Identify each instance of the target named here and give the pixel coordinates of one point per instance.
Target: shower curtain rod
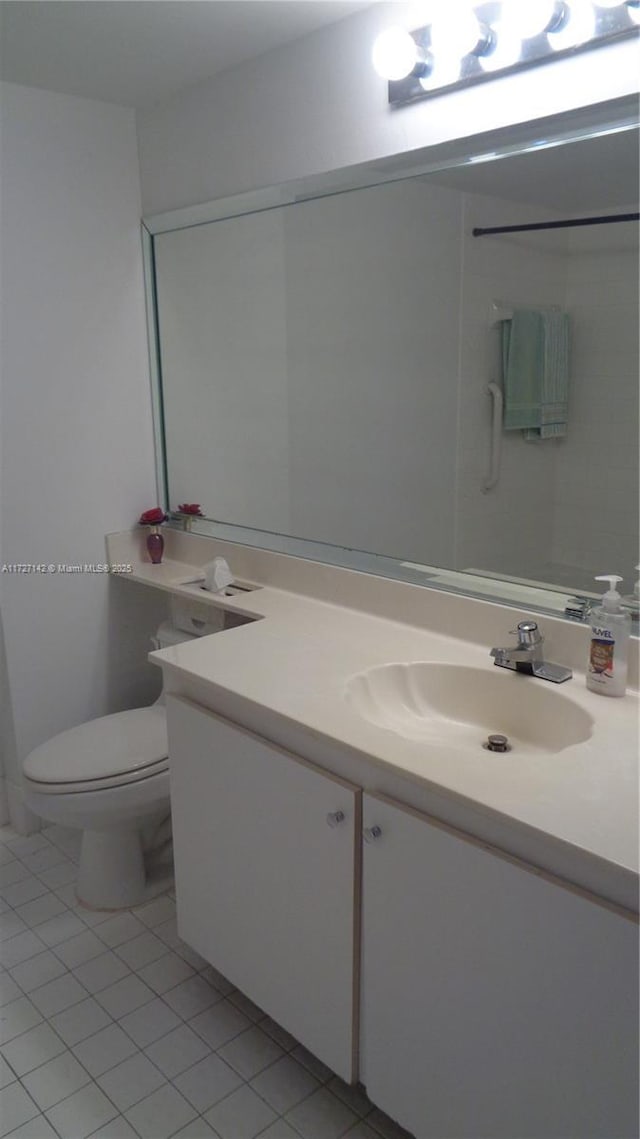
(605, 219)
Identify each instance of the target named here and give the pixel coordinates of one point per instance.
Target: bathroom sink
(456, 705)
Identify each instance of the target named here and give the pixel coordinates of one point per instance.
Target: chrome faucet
(527, 655)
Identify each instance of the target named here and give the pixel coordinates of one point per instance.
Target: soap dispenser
(608, 647)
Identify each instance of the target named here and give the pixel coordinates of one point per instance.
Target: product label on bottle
(601, 654)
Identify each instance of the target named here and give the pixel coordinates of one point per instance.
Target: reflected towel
(535, 359)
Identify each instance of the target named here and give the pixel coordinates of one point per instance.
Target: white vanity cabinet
(266, 848)
(496, 1002)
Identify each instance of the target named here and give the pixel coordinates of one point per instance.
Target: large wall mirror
(325, 367)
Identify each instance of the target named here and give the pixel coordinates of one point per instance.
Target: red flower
(153, 517)
(190, 508)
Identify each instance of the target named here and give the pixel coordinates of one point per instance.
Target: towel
(535, 358)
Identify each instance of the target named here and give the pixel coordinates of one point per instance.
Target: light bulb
(578, 28)
(528, 18)
(455, 31)
(395, 54)
(507, 50)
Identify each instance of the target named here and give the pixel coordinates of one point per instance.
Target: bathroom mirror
(324, 368)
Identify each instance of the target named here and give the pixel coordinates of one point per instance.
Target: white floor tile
(12, 872)
(17, 1017)
(360, 1131)
(207, 1082)
(83, 947)
(27, 844)
(37, 1128)
(101, 972)
(321, 1116)
(9, 991)
(11, 924)
(219, 1024)
(141, 950)
(177, 1051)
(41, 909)
(124, 996)
(23, 891)
(20, 947)
(383, 1125)
(62, 874)
(32, 1049)
(279, 1130)
(161, 1114)
(131, 1081)
(246, 1006)
(16, 1107)
(354, 1097)
(117, 1128)
(314, 1065)
(55, 1080)
(120, 928)
(80, 1021)
(242, 1115)
(149, 1022)
(43, 859)
(104, 1049)
(37, 971)
(7, 1075)
(191, 997)
(198, 1129)
(166, 972)
(82, 1113)
(284, 1084)
(58, 995)
(60, 928)
(250, 1052)
(278, 1033)
(157, 911)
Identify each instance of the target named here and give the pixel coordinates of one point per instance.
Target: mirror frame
(601, 119)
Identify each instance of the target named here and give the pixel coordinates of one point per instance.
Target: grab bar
(495, 391)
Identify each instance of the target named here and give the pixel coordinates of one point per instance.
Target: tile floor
(112, 1027)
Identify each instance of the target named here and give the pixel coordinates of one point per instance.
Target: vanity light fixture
(465, 42)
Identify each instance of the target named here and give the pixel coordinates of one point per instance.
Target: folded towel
(535, 357)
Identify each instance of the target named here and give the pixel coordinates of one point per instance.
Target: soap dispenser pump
(608, 647)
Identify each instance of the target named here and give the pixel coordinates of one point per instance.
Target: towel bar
(495, 391)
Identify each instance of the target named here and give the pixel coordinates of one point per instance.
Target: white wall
(596, 502)
(77, 450)
(317, 105)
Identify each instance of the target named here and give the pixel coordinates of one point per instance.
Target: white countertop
(296, 658)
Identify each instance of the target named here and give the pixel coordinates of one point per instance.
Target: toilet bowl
(110, 777)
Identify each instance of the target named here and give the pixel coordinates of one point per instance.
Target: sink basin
(455, 705)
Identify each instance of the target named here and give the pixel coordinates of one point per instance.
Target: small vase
(155, 545)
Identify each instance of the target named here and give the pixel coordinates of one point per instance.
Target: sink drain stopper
(497, 743)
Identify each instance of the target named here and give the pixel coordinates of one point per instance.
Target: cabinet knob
(372, 833)
(334, 818)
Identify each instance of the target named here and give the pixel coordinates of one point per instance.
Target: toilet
(110, 777)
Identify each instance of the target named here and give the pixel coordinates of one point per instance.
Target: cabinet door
(497, 1003)
(264, 882)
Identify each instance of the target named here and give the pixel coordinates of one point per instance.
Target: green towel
(535, 360)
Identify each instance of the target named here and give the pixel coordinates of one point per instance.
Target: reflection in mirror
(326, 367)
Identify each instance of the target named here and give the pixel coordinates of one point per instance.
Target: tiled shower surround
(112, 1027)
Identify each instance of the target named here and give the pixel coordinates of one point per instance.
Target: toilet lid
(112, 745)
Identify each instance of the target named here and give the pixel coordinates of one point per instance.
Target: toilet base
(112, 873)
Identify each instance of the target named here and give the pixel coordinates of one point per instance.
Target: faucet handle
(528, 633)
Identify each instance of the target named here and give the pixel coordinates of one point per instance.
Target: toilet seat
(125, 747)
